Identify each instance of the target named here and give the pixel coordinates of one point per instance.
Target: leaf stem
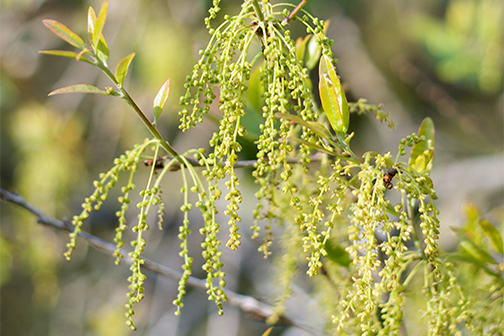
(258, 11)
(126, 96)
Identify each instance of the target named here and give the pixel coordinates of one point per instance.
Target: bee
(159, 164)
(388, 177)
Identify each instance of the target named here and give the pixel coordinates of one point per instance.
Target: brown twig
(294, 12)
(247, 304)
(238, 164)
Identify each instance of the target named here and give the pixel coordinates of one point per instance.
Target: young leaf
(467, 258)
(422, 153)
(316, 127)
(91, 22)
(493, 234)
(102, 50)
(314, 50)
(99, 24)
(321, 130)
(80, 88)
(469, 247)
(160, 99)
(64, 33)
(301, 47)
(66, 53)
(321, 149)
(477, 252)
(267, 332)
(122, 68)
(332, 96)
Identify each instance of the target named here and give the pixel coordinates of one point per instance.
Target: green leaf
(466, 258)
(301, 47)
(267, 332)
(99, 24)
(160, 99)
(314, 50)
(316, 127)
(312, 53)
(477, 252)
(337, 254)
(95, 28)
(91, 24)
(66, 53)
(391, 210)
(122, 68)
(320, 129)
(64, 33)
(102, 50)
(493, 234)
(255, 90)
(80, 88)
(469, 247)
(332, 96)
(422, 154)
(321, 149)
(317, 147)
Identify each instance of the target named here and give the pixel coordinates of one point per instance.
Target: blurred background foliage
(437, 58)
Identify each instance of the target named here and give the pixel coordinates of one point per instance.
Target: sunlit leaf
(301, 47)
(422, 154)
(160, 99)
(122, 68)
(332, 96)
(66, 53)
(91, 21)
(267, 332)
(80, 88)
(65, 33)
(314, 50)
(99, 24)
(102, 50)
(493, 234)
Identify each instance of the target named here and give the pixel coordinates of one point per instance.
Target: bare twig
(247, 304)
(238, 164)
(294, 12)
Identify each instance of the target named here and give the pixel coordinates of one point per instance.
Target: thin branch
(294, 12)
(238, 164)
(247, 304)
